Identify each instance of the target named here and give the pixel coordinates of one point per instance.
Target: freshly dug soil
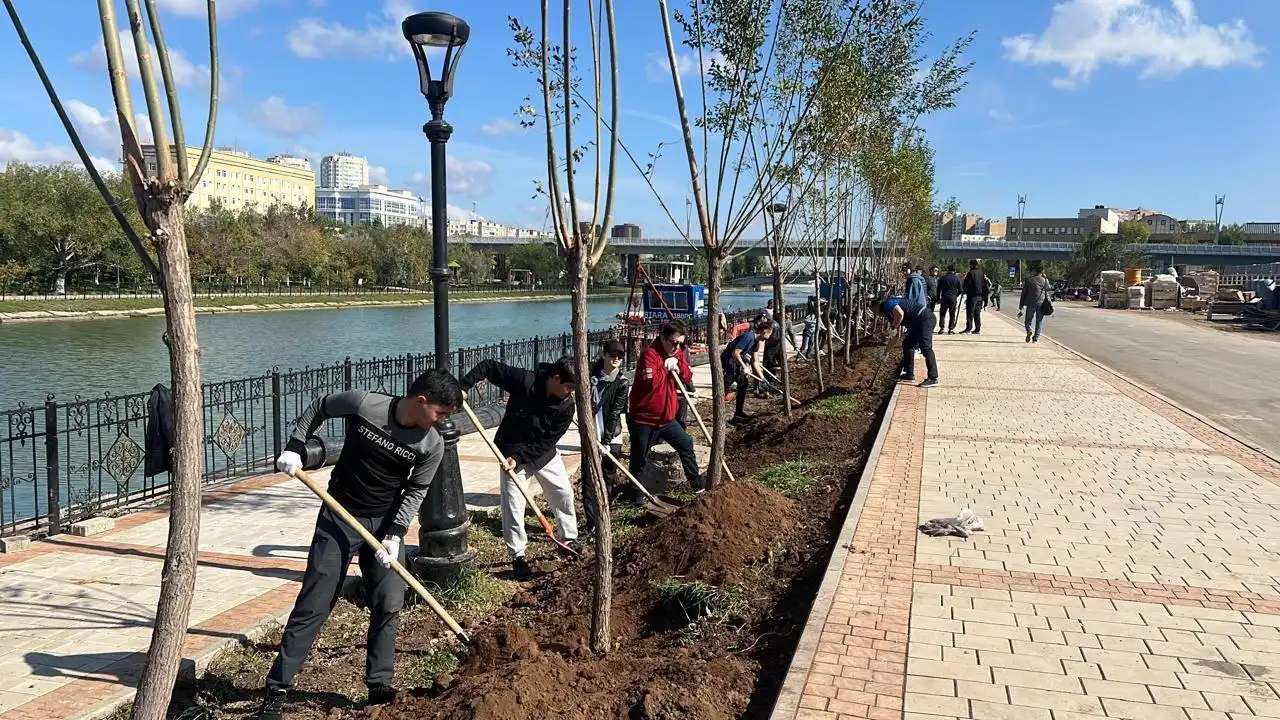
(531, 658)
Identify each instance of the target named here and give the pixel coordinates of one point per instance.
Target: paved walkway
(1130, 566)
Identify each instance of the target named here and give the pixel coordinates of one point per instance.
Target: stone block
(92, 526)
(17, 543)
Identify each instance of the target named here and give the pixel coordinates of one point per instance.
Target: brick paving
(1129, 567)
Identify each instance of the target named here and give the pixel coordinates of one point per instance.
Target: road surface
(1230, 379)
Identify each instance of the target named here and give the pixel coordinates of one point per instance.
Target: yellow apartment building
(241, 181)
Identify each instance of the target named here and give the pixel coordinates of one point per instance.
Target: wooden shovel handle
(373, 542)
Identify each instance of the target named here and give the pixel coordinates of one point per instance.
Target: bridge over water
(1202, 254)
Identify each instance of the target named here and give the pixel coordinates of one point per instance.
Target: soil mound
(719, 538)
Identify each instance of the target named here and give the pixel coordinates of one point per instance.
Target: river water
(88, 357)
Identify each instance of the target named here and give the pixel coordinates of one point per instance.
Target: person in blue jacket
(912, 311)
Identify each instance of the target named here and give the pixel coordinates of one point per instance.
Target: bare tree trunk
(719, 423)
(817, 341)
(784, 327)
(164, 216)
(602, 596)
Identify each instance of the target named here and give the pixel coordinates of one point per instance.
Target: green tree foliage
(474, 267)
(1233, 235)
(542, 259)
(698, 273)
(53, 224)
(55, 230)
(607, 270)
(1134, 232)
(1095, 254)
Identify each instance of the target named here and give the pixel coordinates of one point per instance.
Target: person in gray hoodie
(1035, 291)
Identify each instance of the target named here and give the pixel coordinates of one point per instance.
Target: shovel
(502, 461)
(655, 506)
(698, 416)
(373, 542)
(770, 384)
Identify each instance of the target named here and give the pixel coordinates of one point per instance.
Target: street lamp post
(443, 519)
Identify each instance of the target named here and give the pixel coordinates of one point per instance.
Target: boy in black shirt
(389, 458)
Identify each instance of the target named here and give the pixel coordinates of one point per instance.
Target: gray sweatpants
(332, 547)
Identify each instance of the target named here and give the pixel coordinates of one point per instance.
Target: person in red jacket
(655, 404)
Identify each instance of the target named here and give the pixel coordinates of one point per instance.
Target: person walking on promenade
(931, 285)
(539, 411)
(949, 288)
(995, 294)
(655, 407)
(912, 311)
(609, 390)
(390, 455)
(976, 288)
(1035, 295)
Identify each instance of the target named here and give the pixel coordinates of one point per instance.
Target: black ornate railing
(69, 460)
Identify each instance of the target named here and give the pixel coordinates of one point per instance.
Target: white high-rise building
(369, 205)
(343, 171)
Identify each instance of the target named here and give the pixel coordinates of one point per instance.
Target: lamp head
(428, 30)
(778, 208)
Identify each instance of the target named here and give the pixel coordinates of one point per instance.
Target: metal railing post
(52, 471)
(348, 381)
(277, 412)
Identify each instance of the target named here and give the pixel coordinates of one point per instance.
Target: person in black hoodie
(976, 287)
(609, 391)
(949, 287)
(539, 411)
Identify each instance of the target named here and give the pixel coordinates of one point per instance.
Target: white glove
(389, 551)
(289, 463)
(671, 364)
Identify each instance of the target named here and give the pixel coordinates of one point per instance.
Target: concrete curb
(787, 706)
(1218, 427)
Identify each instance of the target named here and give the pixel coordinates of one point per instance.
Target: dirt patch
(530, 658)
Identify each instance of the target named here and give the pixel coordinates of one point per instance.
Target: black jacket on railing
(159, 431)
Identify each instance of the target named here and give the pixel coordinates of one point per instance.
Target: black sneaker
(906, 378)
(381, 695)
(931, 382)
(520, 569)
(739, 419)
(699, 484)
(273, 704)
(1028, 336)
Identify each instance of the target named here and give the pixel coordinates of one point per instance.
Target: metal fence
(69, 460)
(27, 292)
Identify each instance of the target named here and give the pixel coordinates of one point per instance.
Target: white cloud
(653, 117)
(200, 8)
(501, 126)
(378, 175)
(99, 131)
(185, 72)
(1000, 116)
(659, 67)
(14, 146)
(1085, 34)
(468, 178)
(381, 36)
(279, 118)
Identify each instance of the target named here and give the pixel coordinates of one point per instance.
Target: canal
(89, 357)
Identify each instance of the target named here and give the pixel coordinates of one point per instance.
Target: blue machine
(685, 302)
(826, 288)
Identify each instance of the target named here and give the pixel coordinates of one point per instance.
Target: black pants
(332, 547)
(644, 437)
(948, 307)
(919, 335)
(995, 301)
(973, 313)
(610, 471)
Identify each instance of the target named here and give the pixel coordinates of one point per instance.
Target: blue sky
(1158, 103)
